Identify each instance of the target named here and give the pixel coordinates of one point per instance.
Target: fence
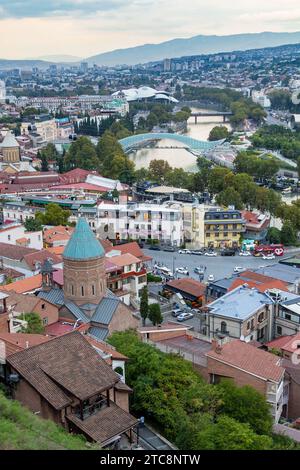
(188, 356)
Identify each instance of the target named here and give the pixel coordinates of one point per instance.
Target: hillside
(22, 430)
(192, 46)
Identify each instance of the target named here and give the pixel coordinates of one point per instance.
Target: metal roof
(98, 333)
(83, 244)
(239, 303)
(54, 296)
(77, 312)
(105, 310)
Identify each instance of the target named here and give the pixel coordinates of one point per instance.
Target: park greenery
(279, 139)
(226, 100)
(22, 430)
(194, 415)
(218, 133)
(282, 100)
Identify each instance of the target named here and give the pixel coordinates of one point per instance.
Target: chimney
(216, 346)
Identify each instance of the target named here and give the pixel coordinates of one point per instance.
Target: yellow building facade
(223, 228)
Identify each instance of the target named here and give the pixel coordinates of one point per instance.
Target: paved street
(219, 266)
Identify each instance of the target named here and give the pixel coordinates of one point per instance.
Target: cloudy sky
(33, 28)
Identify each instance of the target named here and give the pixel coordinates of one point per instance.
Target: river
(179, 158)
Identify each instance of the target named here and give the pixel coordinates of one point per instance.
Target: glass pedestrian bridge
(194, 145)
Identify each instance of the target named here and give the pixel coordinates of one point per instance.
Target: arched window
(82, 291)
(223, 327)
(72, 289)
(93, 289)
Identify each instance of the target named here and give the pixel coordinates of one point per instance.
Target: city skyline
(87, 27)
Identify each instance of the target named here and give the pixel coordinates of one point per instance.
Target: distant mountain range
(196, 45)
(193, 46)
(64, 58)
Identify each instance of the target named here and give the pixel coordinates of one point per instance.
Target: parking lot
(219, 266)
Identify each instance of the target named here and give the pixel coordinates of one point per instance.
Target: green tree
(229, 434)
(53, 215)
(288, 234)
(237, 401)
(144, 306)
(274, 235)
(49, 152)
(230, 197)
(218, 133)
(32, 225)
(44, 163)
(158, 170)
(34, 323)
(81, 154)
(216, 180)
(154, 314)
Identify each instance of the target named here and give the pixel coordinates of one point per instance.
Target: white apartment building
(18, 211)
(47, 129)
(142, 222)
(15, 234)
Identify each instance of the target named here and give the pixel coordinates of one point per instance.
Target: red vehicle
(277, 250)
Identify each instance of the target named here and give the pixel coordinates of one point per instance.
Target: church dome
(83, 244)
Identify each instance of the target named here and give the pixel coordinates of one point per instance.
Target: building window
(9, 237)
(82, 291)
(43, 306)
(252, 324)
(288, 317)
(225, 234)
(223, 327)
(279, 330)
(261, 317)
(248, 325)
(72, 289)
(93, 289)
(45, 321)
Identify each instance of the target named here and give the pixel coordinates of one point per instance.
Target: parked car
(227, 252)
(238, 269)
(176, 312)
(271, 256)
(182, 270)
(185, 316)
(197, 252)
(184, 251)
(154, 247)
(210, 253)
(211, 278)
(244, 253)
(168, 248)
(199, 270)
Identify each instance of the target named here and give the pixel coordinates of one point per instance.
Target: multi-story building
(143, 222)
(15, 234)
(247, 365)
(46, 128)
(223, 228)
(126, 275)
(242, 313)
(257, 225)
(287, 320)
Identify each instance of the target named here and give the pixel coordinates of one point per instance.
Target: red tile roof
(285, 343)
(190, 286)
(15, 342)
(254, 361)
(261, 286)
(132, 248)
(28, 284)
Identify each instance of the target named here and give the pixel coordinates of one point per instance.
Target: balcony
(84, 411)
(222, 333)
